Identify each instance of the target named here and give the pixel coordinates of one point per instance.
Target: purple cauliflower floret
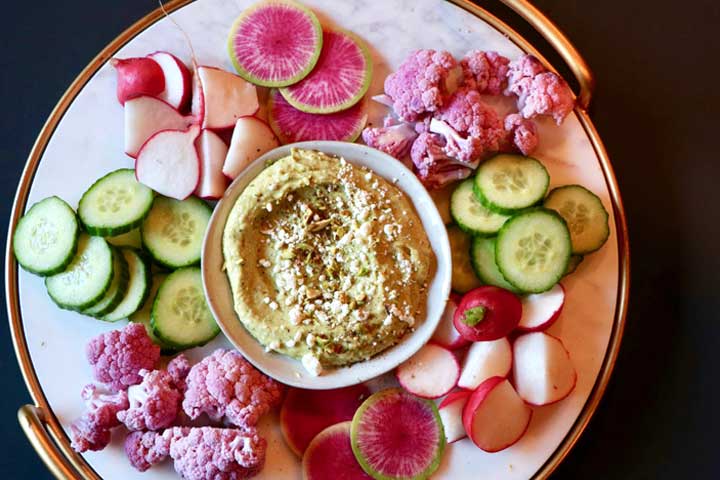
(395, 140)
(539, 92)
(178, 368)
(154, 402)
(200, 453)
(467, 150)
(432, 165)
(422, 83)
(521, 133)
(92, 430)
(225, 384)
(118, 356)
(469, 116)
(485, 72)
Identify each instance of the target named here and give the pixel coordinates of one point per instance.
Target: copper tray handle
(561, 44)
(32, 422)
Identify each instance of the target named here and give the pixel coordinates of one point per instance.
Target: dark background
(657, 65)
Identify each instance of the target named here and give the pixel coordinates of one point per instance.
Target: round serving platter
(83, 140)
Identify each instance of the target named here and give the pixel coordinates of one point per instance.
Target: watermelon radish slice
(275, 43)
(291, 125)
(330, 456)
(396, 435)
(305, 413)
(339, 80)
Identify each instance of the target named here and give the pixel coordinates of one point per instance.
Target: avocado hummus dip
(328, 262)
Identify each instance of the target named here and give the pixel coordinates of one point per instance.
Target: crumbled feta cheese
(312, 364)
(264, 263)
(273, 306)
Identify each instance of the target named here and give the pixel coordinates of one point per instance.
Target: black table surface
(657, 64)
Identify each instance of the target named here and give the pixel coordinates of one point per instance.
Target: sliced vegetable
(330, 456)
(431, 373)
(574, 263)
(138, 287)
(508, 183)
(540, 310)
(470, 215)
(482, 254)
(463, 276)
(487, 313)
(117, 290)
(143, 315)
(542, 369)
(585, 215)
(446, 335)
(450, 410)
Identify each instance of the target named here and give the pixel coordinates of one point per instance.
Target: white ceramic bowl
(286, 369)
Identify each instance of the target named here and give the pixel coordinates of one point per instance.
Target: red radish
(446, 334)
(305, 413)
(540, 310)
(178, 80)
(212, 151)
(451, 409)
(251, 138)
(168, 163)
(484, 360)
(330, 456)
(542, 369)
(495, 417)
(225, 97)
(145, 116)
(197, 103)
(487, 313)
(136, 77)
(431, 373)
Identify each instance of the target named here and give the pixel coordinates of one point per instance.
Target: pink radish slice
(168, 163)
(178, 80)
(145, 116)
(251, 139)
(339, 80)
(291, 125)
(212, 151)
(446, 334)
(495, 417)
(397, 435)
(197, 102)
(305, 413)
(484, 360)
(542, 369)
(540, 310)
(136, 77)
(451, 409)
(330, 456)
(225, 97)
(431, 373)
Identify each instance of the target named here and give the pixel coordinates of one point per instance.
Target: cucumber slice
(143, 314)
(508, 183)
(45, 239)
(117, 289)
(180, 315)
(87, 277)
(114, 204)
(127, 239)
(138, 286)
(471, 215)
(585, 215)
(482, 255)
(573, 264)
(533, 250)
(463, 276)
(173, 232)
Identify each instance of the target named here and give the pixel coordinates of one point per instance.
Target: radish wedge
(487, 313)
(145, 116)
(542, 369)
(178, 80)
(168, 163)
(485, 360)
(446, 334)
(495, 417)
(137, 77)
(540, 310)
(225, 98)
(339, 80)
(330, 456)
(451, 409)
(291, 125)
(251, 139)
(305, 413)
(396, 435)
(431, 373)
(275, 43)
(211, 151)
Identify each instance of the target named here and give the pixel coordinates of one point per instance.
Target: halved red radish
(145, 116)
(305, 413)
(330, 456)
(495, 417)
(446, 334)
(431, 373)
(136, 77)
(225, 97)
(484, 360)
(178, 84)
(451, 410)
(251, 139)
(540, 310)
(542, 369)
(197, 102)
(212, 151)
(168, 163)
(396, 435)
(487, 313)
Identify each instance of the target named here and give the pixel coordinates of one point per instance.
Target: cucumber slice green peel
(138, 287)
(482, 255)
(509, 183)
(585, 215)
(471, 215)
(117, 290)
